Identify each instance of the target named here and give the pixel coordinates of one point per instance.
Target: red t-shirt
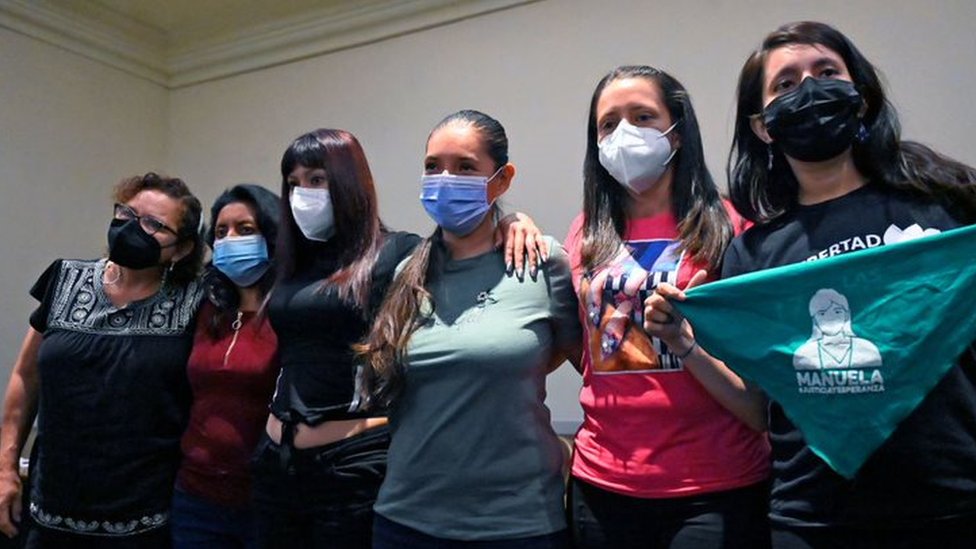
(231, 394)
(650, 429)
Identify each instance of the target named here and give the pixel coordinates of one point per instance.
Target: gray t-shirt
(473, 454)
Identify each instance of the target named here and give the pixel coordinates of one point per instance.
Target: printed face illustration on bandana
(833, 344)
(831, 320)
(613, 298)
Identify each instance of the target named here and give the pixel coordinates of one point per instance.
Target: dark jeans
(319, 497)
(197, 523)
(392, 535)
(732, 519)
(40, 537)
(954, 533)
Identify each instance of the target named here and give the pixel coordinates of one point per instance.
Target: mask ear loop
(494, 175)
(673, 150)
(497, 214)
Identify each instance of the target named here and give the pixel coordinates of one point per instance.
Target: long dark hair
(762, 194)
(265, 207)
(357, 235)
(185, 270)
(703, 224)
(408, 303)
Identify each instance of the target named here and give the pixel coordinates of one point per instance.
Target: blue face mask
(243, 259)
(457, 203)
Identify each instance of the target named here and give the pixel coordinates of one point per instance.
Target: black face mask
(816, 121)
(130, 246)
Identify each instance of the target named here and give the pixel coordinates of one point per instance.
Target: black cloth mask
(816, 121)
(130, 246)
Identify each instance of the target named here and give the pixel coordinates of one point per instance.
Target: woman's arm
(662, 320)
(521, 237)
(19, 409)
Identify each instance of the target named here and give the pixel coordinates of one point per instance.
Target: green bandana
(850, 345)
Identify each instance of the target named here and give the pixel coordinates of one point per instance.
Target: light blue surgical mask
(457, 203)
(244, 259)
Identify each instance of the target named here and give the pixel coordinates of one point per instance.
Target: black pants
(40, 537)
(954, 533)
(732, 519)
(319, 497)
(391, 535)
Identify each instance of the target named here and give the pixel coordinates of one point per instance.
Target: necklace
(114, 281)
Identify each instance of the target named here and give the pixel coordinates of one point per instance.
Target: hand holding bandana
(848, 346)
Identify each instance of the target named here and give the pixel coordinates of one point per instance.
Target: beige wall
(69, 129)
(532, 67)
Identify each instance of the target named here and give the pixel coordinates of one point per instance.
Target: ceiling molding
(142, 50)
(95, 33)
(320, 33)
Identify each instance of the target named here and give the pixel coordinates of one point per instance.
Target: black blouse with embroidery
(114, 401)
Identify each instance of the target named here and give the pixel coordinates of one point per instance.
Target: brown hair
(703, 224)
(762, 184)
(357, 222)
(408, 304)
(189, 230)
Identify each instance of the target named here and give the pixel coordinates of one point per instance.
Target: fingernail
(508, 266)
(533, 271)
(594, 315)
(608, 345)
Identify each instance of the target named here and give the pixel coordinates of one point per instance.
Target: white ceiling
(192, 21)
(178, 43)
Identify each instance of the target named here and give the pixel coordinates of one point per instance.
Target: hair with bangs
(354, 204)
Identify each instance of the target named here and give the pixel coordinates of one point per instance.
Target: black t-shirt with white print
(927, 469)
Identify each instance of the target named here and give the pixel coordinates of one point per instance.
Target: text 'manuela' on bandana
(849, 345)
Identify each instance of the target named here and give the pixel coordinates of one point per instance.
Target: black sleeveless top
(316, 331)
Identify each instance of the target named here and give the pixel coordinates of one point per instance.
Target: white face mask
(312, 209)
(636, 157)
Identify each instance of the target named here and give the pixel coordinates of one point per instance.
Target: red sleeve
(739, 223)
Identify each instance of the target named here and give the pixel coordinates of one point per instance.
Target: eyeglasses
(149, 224)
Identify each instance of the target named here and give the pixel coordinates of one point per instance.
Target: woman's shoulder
(558, 260)
(63, 265)
(739, 223)
(398, 244)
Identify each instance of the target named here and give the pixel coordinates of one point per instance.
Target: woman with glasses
(103, 369)
(817, 159)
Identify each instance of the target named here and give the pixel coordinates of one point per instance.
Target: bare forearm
(747, 403)
(20, 403)
(18, 417)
